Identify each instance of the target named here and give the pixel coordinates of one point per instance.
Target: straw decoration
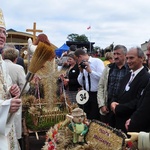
(42, 54)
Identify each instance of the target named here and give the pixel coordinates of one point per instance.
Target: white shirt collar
(137, 71)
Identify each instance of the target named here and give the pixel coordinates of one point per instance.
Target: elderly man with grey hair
(20, 60)
(16, 71)
(131, 88)
(109, 83)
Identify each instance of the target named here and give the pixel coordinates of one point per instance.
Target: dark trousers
(91, 107)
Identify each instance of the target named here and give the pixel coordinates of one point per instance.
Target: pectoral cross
(34, 30)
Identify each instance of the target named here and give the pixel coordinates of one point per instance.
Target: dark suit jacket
(140, 119)
(128, 99)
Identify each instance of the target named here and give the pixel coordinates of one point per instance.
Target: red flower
(51, 146)
(54, 133)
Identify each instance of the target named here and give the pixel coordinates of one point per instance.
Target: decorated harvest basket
(43, 122)
(38, 116)
(99, 137)
(104, 137)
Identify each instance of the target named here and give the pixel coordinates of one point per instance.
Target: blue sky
(122, 22)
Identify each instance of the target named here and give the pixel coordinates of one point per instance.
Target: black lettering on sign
(83, 96)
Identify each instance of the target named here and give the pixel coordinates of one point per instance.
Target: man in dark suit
(140, 120)
(131, 88)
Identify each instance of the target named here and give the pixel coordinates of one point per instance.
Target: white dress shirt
(133, 75)
(97, 67)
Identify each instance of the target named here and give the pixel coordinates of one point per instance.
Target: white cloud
(122, 22)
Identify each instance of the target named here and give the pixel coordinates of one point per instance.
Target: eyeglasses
(3, 32)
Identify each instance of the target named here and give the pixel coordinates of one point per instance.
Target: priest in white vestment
(9, 100)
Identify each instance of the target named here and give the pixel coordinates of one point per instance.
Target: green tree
(77, 38)
(82, 38)
(72, 37)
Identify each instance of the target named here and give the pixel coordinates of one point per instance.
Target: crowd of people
(119, 90)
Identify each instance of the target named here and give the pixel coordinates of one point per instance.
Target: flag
(89, 27)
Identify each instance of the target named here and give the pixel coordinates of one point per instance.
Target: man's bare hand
(113, 106)
(104, 109)
(88, 68)
(127, 123)
(14, 90)
(15, 104)
(80, 68)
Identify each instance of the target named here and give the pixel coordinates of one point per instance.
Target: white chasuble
(8, 140)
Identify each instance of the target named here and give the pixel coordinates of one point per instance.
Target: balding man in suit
(131, 88)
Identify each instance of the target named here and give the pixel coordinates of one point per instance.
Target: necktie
(89, 80)
(130, 81)
(83, 78)
(131, 78)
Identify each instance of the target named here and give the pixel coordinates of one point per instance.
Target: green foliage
(44, 125)
(72, 37)
(31, 126)
(82, 38)
(102, 58)
(77, 38)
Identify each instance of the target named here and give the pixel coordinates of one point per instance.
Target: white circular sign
(82, 97)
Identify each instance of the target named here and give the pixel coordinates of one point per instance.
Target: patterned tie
(130, 81)
(131, 78)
